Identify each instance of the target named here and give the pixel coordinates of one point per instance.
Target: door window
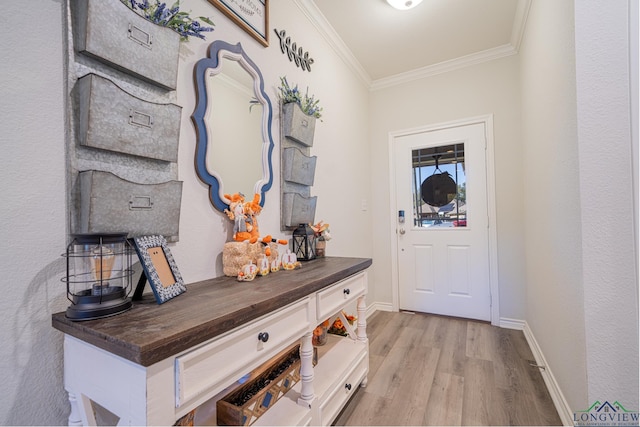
(439, 186)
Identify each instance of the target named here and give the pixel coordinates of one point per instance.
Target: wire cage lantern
(99, 275)
(304, 242)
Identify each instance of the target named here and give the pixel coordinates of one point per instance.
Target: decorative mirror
(233, 124)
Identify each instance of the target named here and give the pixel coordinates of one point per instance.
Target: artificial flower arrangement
(320, 333)
(338, 327)
(321, 232)
(171, 17)
(308, 104)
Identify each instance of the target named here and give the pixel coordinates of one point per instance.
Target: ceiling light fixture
(404, 4)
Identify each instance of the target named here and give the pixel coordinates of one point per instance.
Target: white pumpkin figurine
(289, 260)
(248, 273)
(263, 265)
(275, 265)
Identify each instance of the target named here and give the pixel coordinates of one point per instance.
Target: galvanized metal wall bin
(297, 167)
(297, 209)
(112, 119)
(115, 35)
(109, 204)
(297, 125)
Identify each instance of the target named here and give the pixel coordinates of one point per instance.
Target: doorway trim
(494, 287)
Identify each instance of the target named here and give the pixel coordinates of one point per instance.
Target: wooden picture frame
(252, 16)
(159, 267)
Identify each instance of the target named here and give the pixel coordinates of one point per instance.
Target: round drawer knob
(347, 291)
(347, 386)
(263, 336)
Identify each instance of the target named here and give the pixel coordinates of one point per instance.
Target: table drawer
(330, 408)
(210, 368)
(331, 300)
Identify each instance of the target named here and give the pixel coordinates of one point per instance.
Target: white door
(443, 237)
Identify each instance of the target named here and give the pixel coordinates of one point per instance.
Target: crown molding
(317, 19)
(519, 23)
(444, 67)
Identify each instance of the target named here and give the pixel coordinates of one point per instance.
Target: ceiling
(385, 45)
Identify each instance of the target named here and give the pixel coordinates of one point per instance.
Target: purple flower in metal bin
(308, 104)
(157, 16)
(180, 22)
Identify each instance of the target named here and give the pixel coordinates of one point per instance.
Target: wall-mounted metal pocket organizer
(115, 35)
(298, 168)
(119, 141)
(110, 204)
(112, 119)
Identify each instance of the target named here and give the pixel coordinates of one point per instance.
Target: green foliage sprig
(308, 104)
(171, 17)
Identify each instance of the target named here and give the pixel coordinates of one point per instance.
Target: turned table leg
(362, 327)
(75, 419)
(362, 319)
(81, 413)
(306, 370)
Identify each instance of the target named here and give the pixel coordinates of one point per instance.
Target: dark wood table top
(149, 333)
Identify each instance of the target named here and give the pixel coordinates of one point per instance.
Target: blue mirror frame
(217, 52)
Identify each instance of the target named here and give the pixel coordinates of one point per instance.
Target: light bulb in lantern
(102, 260)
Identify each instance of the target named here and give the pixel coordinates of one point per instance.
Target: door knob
(402, 231)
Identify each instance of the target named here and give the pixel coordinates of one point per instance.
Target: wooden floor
(435, 370)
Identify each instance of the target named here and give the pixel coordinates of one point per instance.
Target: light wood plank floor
(437, 370)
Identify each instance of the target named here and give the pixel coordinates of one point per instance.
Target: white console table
(156, 363)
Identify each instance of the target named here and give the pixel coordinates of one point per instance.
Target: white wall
(488, 88)
(609, 254)
(581, 259)
(33, 212)
(34, 217)
(555, 299)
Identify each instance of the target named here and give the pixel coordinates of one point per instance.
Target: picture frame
(159, 267)
(250, 15)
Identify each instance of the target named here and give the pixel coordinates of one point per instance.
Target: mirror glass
(234, 129)
(233, 122)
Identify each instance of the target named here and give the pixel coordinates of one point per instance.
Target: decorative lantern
(304, 243)
(98, 275)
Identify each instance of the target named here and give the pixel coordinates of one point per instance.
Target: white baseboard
(508, 323)
(564, 411)
(382, 306)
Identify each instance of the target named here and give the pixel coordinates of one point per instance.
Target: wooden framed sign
(250, 15)
(159, 267)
